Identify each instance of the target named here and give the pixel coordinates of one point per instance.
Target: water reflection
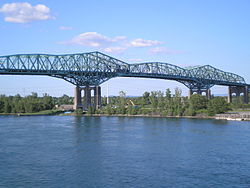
(123, 152)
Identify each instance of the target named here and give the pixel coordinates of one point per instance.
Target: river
(127, 152)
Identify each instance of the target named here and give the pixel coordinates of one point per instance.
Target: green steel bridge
(88, 70)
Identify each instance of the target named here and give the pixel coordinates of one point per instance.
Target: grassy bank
(144, 115)
(44, 112)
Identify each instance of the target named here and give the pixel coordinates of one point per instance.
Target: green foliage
(109, 110)
(1, 106)
(217, 105)
(29, 104)
(90, 110)
(121, 109)
(145, 98)
(198, 102)
(78, 111)
(155, 102)
(168, 94)
(190, 112)
(65, 99)
(132, 110)
(44, 112)
(153, 99)
(240, 106)
(165, 104)
(145, 111)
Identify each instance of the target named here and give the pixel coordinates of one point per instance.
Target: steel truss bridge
(94, 68)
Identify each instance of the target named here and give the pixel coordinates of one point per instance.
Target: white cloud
(135, 60)
(25, 12)
(94, 39)
(115, 50)
(143, 43)
(162, 50)
(65, 28)
(119, 38)
(116, 44)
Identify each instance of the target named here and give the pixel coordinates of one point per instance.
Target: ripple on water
(67, 151)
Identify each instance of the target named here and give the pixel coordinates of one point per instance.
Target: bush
(190, 112)
(198, 102)
(91, 110)
(217, 105)
(78, 111)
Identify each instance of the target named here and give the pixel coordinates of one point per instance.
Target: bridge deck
(95, 68)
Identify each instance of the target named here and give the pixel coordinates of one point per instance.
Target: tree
(65, 99)
(160, 99)
(198, 102)
(168, 94)
(109, 110)
(91, 110)
(177, 103)
(217, 105)
(122, 97)
(1, 106)
(153, 99)
(34, 94)
(122, 103)
(145, 97)
(7, 105)
(47, 102)
(177, 92)
(132, 110)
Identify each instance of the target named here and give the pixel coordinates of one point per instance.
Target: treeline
(151, 103)
(31, 103)
(165, 104)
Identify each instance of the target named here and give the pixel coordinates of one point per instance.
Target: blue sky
(180, 32)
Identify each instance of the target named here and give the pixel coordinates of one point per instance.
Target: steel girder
(95, 68)
(79, 69)
(214, 76)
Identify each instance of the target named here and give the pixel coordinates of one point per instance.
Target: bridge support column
(97, 97)
(87, 97)
(238, 90)
(246, 95)
(199, 92)
(77, 98)
(190, 93)
(208, 94)
(229, 97)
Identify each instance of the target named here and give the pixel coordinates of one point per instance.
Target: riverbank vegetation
(31, 104)
(150, 103)
(164, 104)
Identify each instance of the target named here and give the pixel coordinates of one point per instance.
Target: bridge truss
(94, 68)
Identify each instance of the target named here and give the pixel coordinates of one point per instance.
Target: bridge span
(88, 70)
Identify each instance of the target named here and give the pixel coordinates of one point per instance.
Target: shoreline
(216, 117)
(107, 115)
(147, 116)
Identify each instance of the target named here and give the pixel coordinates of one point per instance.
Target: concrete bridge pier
(77, 98)
(87, 97)
(199, 92)
(237, 90)
(97, 97)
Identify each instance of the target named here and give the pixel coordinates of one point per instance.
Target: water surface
(104, 152)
